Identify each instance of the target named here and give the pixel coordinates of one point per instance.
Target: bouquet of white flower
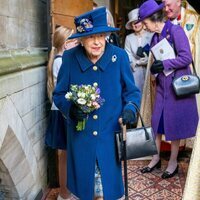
(85, 97)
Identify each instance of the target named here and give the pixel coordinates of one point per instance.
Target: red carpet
(148, 186)
(151, 186)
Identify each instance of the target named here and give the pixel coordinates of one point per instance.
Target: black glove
(128, 117)
(76, 113)
(157, 67)
(140, 52)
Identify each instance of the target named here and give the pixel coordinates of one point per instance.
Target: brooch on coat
(114, 58)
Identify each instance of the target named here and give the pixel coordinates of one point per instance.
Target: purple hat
(148, 8)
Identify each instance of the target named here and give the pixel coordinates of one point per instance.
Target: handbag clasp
(185, 78)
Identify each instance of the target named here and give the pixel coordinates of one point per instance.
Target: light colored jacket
(132, 42)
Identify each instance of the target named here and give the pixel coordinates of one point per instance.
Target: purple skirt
(161, 129)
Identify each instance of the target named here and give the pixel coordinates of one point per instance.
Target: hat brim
(128, 24)
(160, 7)
(95, 30)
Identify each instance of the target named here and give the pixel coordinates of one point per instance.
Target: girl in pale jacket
(137, 47)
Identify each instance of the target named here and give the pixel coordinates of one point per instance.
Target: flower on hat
(84, 25)
(92, 22)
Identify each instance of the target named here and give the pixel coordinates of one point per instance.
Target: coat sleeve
(56, 67)
(62, 87)
(130, 93)
(182, 50)
(128, 49)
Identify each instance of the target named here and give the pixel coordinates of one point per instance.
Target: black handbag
(187, 85)
(134, 143)
(139, 142)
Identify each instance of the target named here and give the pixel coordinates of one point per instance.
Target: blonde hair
(61, 34)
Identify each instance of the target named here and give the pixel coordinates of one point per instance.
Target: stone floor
(149, 186)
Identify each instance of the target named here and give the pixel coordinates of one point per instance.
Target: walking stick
(125, 162)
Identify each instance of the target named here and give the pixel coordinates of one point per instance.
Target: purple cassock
(178, 117)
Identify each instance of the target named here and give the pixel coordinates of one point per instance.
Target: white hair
(110, 20)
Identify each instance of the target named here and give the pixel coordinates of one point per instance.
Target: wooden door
(63, 11)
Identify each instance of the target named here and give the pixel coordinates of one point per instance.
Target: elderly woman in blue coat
(176, 118)
(93, 171)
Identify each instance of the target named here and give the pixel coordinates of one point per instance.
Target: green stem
(81, 125)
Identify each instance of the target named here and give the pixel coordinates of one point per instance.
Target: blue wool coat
(180, 115)
(97, 142)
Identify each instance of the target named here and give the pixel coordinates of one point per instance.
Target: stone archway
(7, 186)
(18, 169)
(17, 154)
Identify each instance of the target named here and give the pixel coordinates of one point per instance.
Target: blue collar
(102, 63)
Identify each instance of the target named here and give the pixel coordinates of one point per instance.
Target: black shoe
(167, 174)
(150, 169)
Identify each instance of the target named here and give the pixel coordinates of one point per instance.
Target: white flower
(74, 87)
(95, 84)
(68, 95)
(81, 101)
(89, 104)
(87, 87)
(81, 94)
(93, 97)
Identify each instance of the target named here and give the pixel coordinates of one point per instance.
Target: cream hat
(132, 16)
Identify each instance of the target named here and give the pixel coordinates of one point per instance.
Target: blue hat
(92, 22)
(148, 8)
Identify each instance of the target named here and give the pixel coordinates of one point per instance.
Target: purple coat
(180, 116)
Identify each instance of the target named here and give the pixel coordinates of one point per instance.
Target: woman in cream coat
(137, 47)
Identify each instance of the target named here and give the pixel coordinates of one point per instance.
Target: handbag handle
(138, 111)
(194, 69)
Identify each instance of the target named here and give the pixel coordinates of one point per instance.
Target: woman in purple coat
(174, 117)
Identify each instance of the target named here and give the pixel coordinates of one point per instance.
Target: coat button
(95, 133)
(95, 68)
(95, 116)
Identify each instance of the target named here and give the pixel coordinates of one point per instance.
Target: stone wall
(23, 24)
(22, 128)
(23, 99)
